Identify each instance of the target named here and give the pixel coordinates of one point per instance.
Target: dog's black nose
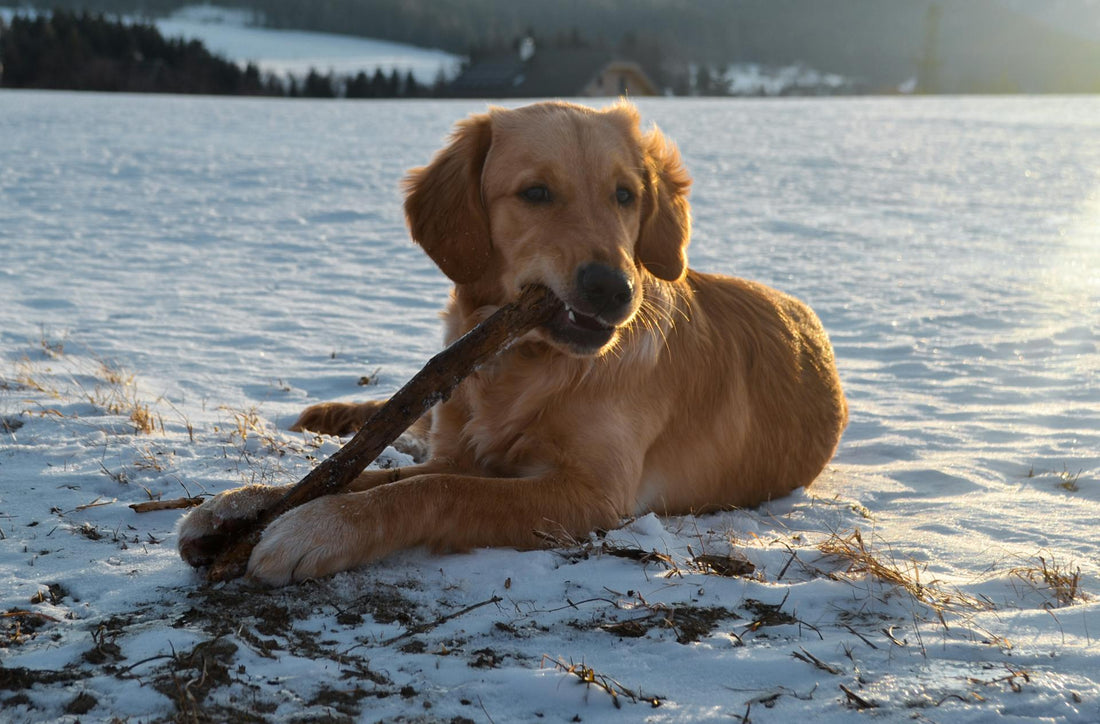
(607, 291)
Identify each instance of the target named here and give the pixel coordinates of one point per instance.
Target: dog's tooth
(572, 317)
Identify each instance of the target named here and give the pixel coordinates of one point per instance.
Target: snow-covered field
(180, 276)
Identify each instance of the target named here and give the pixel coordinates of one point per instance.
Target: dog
(652, 388)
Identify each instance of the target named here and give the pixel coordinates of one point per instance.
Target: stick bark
(431, 385)
(173, 504)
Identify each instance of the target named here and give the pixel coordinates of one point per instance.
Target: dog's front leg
(441, 511)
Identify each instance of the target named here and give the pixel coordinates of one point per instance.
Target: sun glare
(1075, 270)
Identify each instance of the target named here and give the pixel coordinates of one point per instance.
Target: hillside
(974, 45)
(233, 35)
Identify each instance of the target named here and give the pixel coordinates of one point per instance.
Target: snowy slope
(233, 34)
(203, 268)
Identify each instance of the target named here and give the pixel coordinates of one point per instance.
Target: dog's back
(758, 408)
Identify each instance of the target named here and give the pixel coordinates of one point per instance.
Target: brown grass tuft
(905, 575)
(1056, 580)
(248, 424)
(117, 394)
(590, 677)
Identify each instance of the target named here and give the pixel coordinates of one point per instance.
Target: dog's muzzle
(603, 298)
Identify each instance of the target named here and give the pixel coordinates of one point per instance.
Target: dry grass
(105, 386)
(27, 379)
(591, 678)
(1057, 581)
(144, 421)
(1069, 481)
(154, 460)
(904, 575)
(117, 394)
(247, 424)
(265, 456)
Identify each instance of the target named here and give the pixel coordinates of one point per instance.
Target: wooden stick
(432, 384)
(173, 504)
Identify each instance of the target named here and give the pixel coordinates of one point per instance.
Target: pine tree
(358, 86)
(318, 86)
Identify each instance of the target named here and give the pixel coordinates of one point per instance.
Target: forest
(90, 52)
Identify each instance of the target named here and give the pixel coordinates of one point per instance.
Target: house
(565, 72)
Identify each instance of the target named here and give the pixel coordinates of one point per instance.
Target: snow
(210, 266)
(236, 34)
(754, 79)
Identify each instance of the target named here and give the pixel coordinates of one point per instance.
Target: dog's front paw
(316, 539)
(204, 531)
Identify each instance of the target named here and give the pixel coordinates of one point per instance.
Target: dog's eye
(538, 194)
(624, 196)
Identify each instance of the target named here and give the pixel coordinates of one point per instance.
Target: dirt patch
(17, 678)
(267, 622)
(385, 605)
(190, 676)
(767, 614)
(53, 593)
(688, 623)
(730, 566)
(346, 701)
(19, 625)
(82, 704)
(10, 424)
(486, 659)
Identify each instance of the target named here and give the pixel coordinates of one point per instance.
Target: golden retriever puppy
(653, 388)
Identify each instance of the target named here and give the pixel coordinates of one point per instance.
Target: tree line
(67, 50)
(361, 85)
(72, 51)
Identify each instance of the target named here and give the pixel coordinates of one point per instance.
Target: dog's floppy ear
(666, 219)
(443, 203)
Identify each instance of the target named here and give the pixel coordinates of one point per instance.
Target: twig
(787, 564)
(22, 613)
(902, 643)
(482, 705)
(811, 659)
(131, 667)
(173, 504)
(424, 627)
(963, 699)
(97, 503)
(861, 636)
(859, 701)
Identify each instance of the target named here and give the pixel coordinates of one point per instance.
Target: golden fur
(687, 392)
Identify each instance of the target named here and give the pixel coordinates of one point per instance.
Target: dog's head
(578, 200)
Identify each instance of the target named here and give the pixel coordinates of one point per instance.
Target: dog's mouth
(583, 333)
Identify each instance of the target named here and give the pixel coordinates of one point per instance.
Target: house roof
(552, 72)
(490, 74)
